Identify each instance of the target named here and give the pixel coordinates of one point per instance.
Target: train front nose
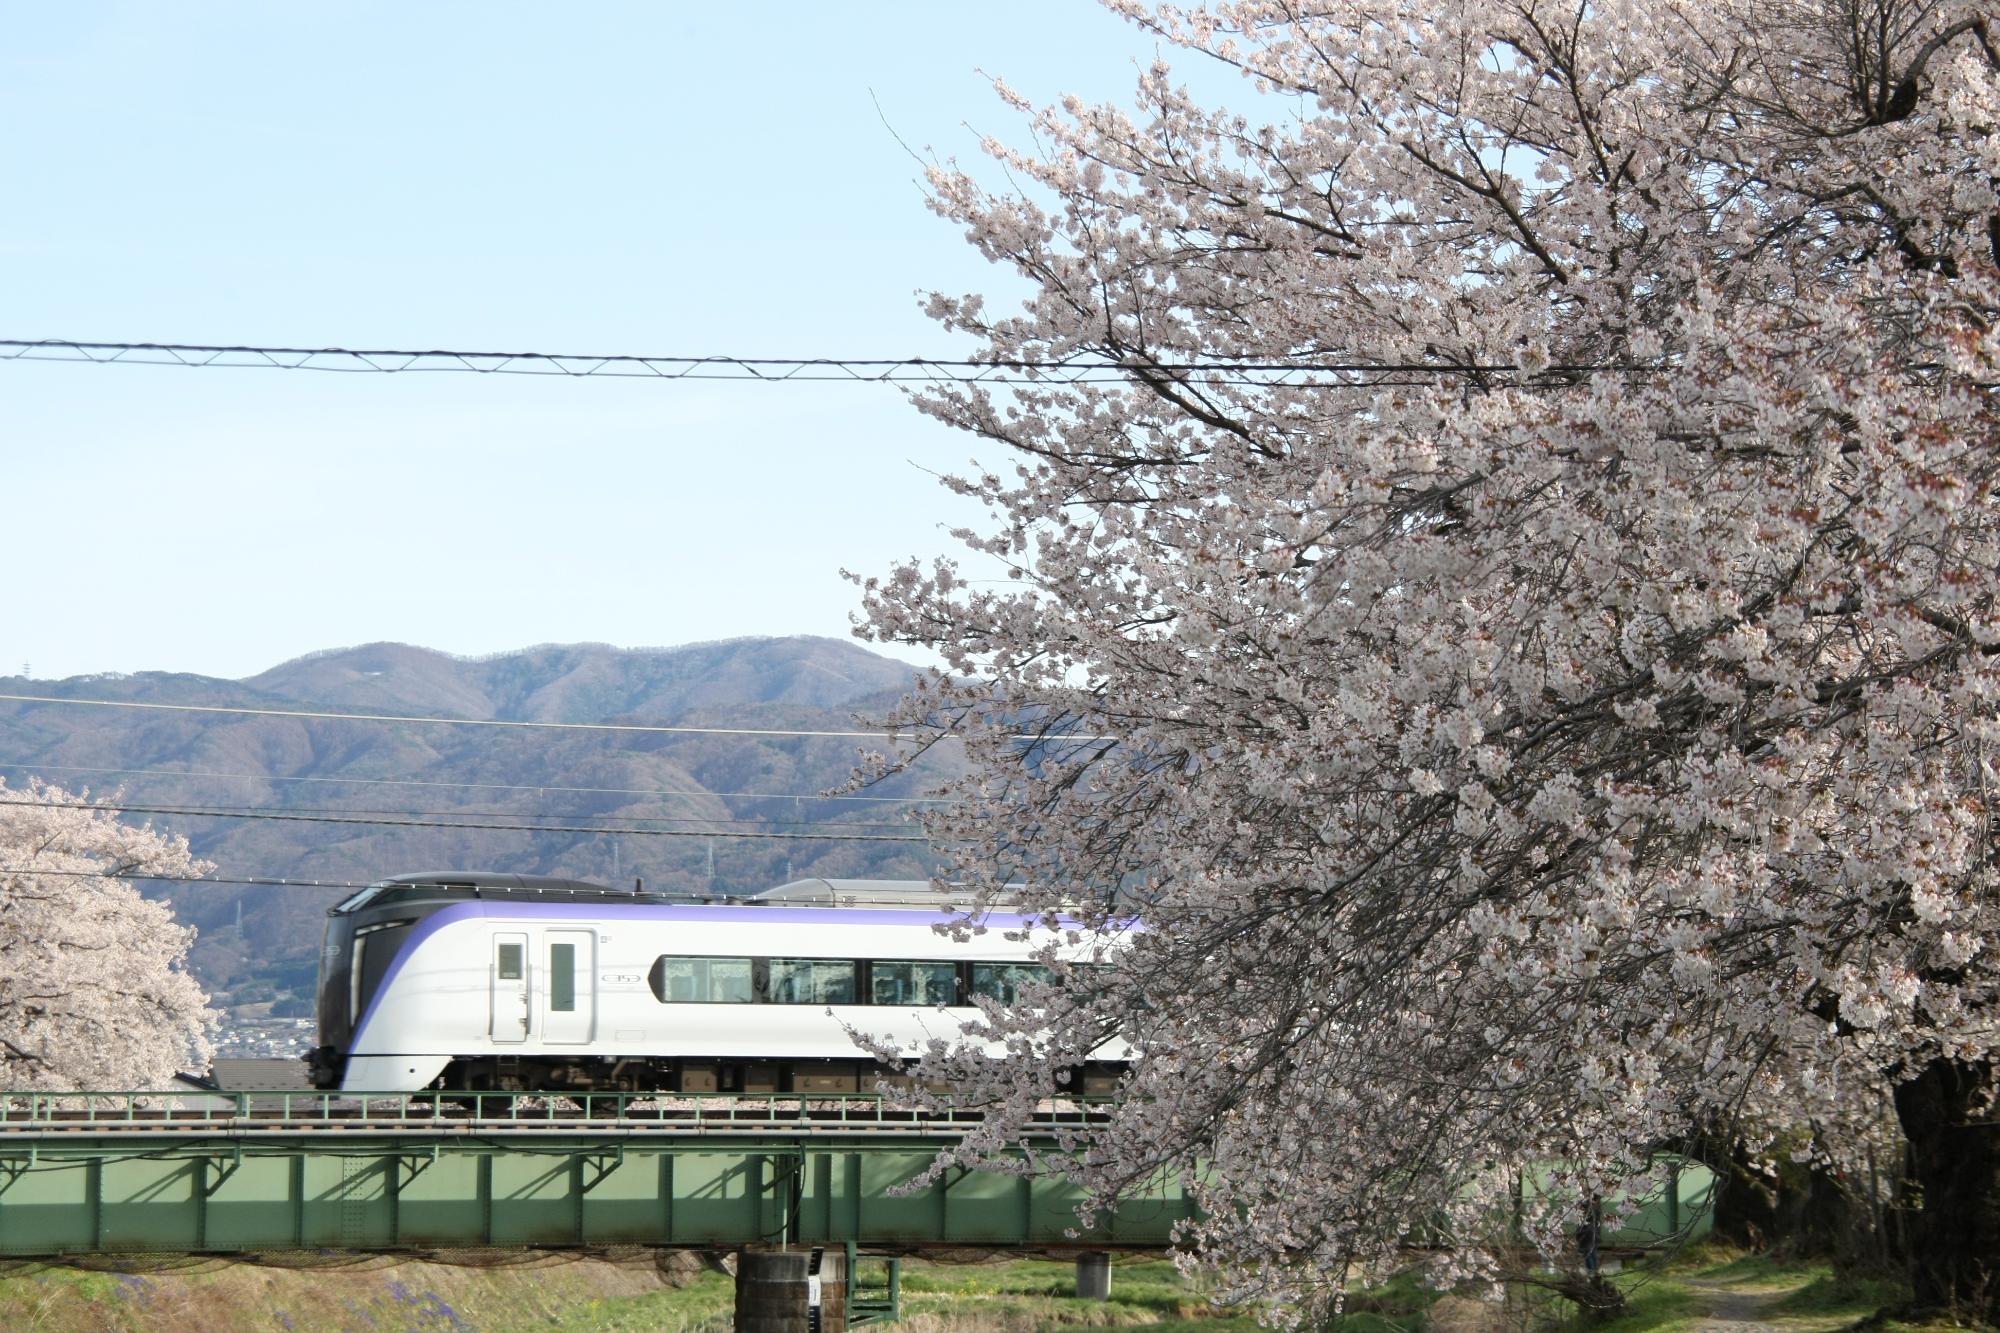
(336, 1026)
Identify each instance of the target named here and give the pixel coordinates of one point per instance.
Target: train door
(510, 987)
(569, 992)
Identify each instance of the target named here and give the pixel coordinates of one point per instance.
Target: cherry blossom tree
(94, 991)
(1519, 631)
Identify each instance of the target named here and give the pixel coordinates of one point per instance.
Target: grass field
(1706, 1289)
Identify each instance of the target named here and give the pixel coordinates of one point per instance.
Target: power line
(252, 881)
(781, 733)
(778, 370)
(471, 786)
(226, 811)
(116, 807)
(318, 715)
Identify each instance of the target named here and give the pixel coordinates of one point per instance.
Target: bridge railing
(762, 1111)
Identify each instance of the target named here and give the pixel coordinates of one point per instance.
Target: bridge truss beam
(117, 1193)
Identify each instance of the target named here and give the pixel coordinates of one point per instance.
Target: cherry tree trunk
(1948, 1114)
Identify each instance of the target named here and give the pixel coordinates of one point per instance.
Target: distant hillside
(315, 768)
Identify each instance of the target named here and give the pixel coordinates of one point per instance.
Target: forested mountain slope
(686, 791)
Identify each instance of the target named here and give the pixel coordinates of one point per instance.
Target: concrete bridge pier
(791, 1291)
(1093, 1276)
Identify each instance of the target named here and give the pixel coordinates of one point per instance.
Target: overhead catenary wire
(1298, 372)
(258, 881)
(322, 715)
(471, 786)
(642, 728)
(119, 807)
(247, 881)
(224, 811)
(227, 812)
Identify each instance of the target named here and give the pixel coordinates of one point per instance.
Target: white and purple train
(478, 981)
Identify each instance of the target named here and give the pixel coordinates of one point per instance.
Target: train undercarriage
(643, 1074)
(507, 1073)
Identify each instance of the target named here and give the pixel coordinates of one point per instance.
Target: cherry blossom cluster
(1580, 728)
(94, 990)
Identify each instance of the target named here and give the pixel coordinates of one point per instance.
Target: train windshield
(358, 901)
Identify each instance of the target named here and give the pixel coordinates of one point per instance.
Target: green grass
(1667, 1295)
(1653, 1304)
(1802, 1295)
(707, 1304)
(1035, 1293)
(1935, 1326)
(1748, 1271)
(1828, 1293)
(1673, 1293)
(1663, 1296)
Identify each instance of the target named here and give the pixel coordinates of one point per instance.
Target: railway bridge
(792, 1182)
(215, 1173)
(261, 1172)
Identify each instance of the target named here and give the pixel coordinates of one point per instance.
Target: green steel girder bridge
(109, 1173)
(249, 1172)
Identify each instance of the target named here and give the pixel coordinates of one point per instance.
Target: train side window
(812, 981)
(700, 980)
(509, 960)
(562, 978)
(925, 985)
(1003, 981)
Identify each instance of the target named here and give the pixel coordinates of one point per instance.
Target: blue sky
(640, 178)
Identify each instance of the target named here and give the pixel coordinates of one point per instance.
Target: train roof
(491, 879)
(868, 892)
(449, 885)
(455, 884)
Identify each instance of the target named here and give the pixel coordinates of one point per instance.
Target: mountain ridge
(686, 800)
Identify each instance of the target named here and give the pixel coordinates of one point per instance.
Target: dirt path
(1734, 1310)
